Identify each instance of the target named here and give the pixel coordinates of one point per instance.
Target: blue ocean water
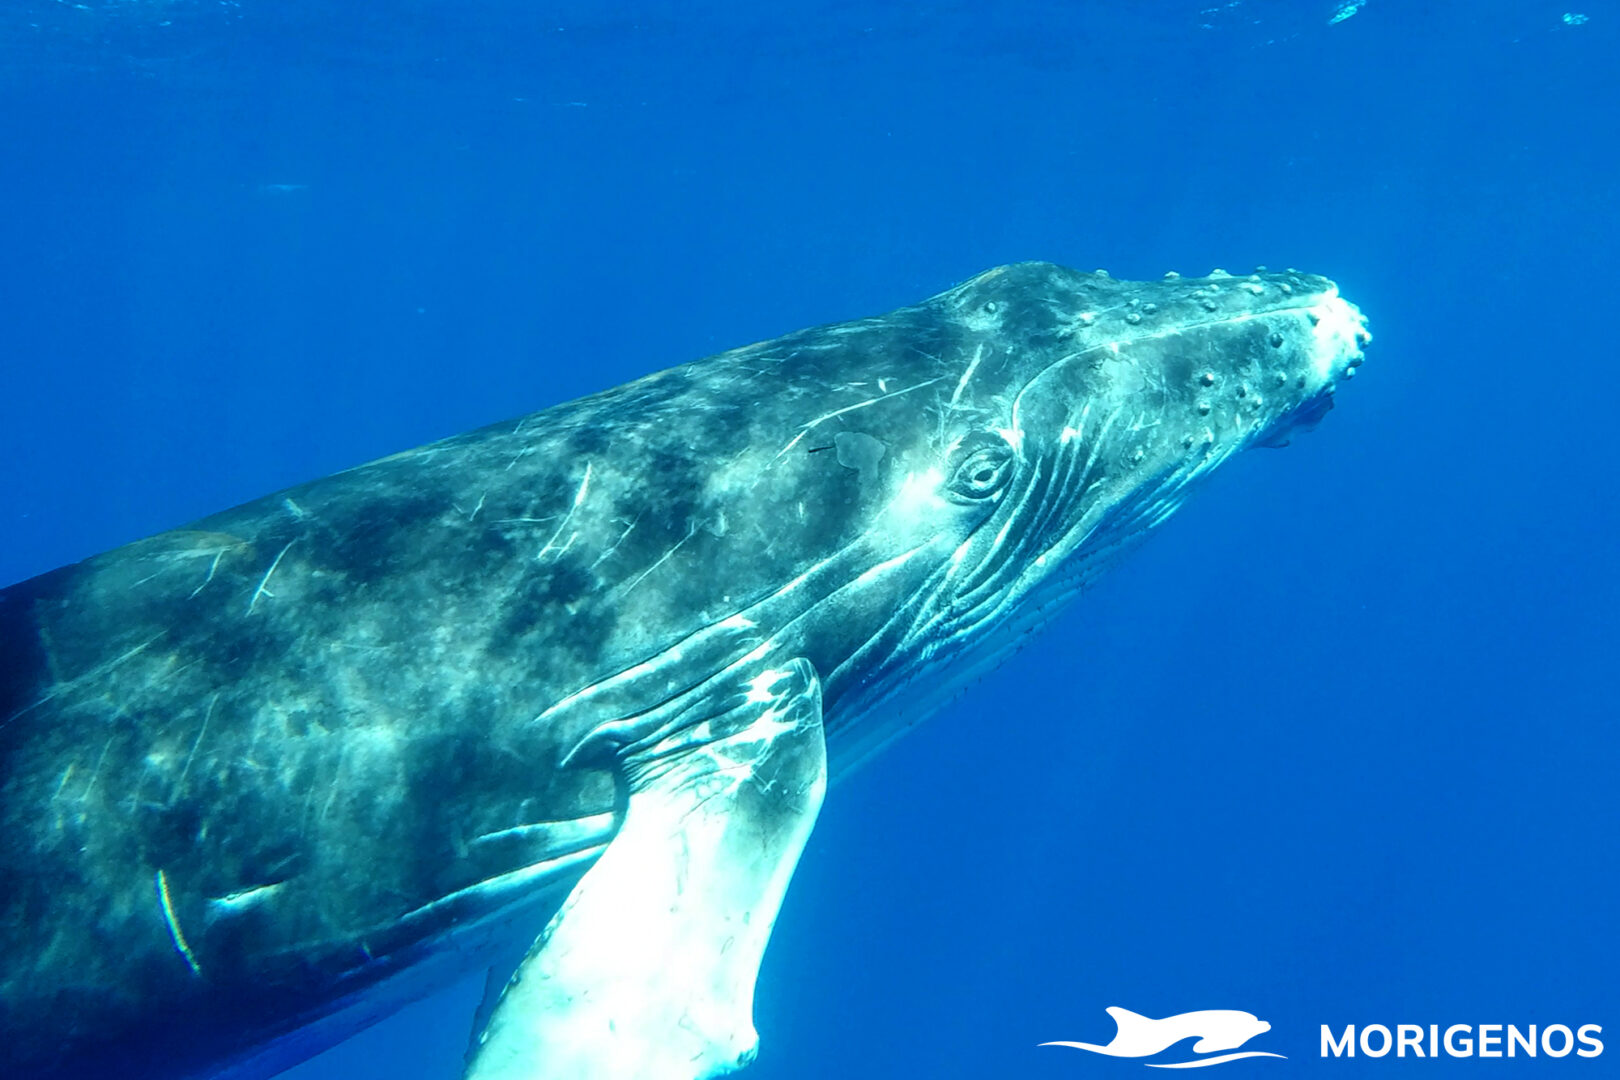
(1337, 747)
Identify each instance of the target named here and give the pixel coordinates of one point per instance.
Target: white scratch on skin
(211, 568)
(295, 510)
(479, 507)
(180, 784)
(851, 408)
(961, 384)
(337, 780)
(242, 899)
(261, 590)
(100, 761)
(584, 486)
(59, 689)
(637, 580)
(792, 443)
(360, 647)
(579, 497)
(615, 545)
(179, 939)
(66, 774)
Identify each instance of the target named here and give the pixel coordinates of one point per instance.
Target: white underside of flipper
(647, 972)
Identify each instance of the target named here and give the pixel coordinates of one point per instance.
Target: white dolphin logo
(1216, 1029)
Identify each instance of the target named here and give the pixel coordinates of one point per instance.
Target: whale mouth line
(1300, 420)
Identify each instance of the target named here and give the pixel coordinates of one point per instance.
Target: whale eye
(982, 470)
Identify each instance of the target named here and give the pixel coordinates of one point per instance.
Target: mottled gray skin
(254, 769)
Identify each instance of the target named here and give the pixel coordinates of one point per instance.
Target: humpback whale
(558, 699)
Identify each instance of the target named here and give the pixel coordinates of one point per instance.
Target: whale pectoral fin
(648, 969)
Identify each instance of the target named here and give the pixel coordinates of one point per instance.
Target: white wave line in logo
(1201, 1062)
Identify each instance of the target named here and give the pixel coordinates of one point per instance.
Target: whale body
(558, 699)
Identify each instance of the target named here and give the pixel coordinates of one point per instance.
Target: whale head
(1065, 416)
(1228, 1029)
